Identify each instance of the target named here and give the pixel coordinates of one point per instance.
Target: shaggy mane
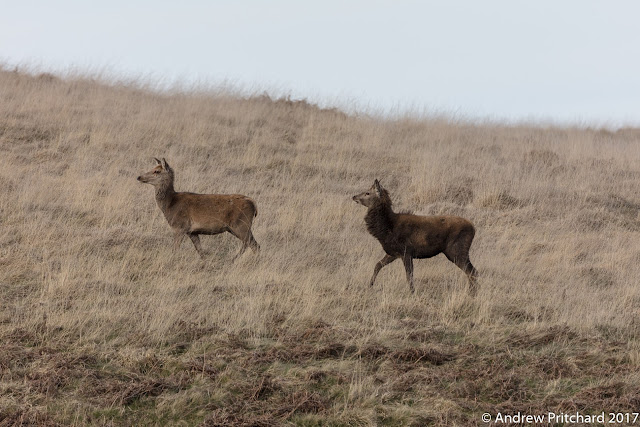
(379, 218)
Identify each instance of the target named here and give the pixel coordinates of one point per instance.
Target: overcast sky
(569, 60)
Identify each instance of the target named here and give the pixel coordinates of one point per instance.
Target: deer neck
(380, 220)
(164, 196)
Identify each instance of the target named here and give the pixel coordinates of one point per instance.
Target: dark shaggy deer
(410, 236)
(193, 214)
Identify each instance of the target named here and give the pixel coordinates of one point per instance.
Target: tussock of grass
(501, 201)
(102, 324)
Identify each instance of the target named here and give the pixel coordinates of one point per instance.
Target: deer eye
(156, 171)
(366, 194)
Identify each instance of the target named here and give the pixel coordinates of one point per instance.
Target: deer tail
(254, 205)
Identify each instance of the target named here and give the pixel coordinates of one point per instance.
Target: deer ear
(165, 165)
(157, 161)
(378, 187)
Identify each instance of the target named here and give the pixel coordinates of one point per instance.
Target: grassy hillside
(101, 323)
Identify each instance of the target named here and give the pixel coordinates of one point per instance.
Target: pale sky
(575, 61)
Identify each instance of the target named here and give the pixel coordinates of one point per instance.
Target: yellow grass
(86, 265)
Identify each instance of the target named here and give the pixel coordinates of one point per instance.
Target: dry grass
(102, 324)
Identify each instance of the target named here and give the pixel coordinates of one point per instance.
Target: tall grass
(86, 256)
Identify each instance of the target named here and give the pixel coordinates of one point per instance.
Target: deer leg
(465, 265)
(458, 253)
(384, 261)
(178, 235)
(243, 248)
(246, 236)
(255, 247)
(196, 242)
(240, 252)
(408, 266)
(472, 275)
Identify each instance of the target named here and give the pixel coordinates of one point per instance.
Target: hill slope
(102, 323)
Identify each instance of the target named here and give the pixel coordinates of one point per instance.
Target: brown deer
(410, 236)
(194, 214)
